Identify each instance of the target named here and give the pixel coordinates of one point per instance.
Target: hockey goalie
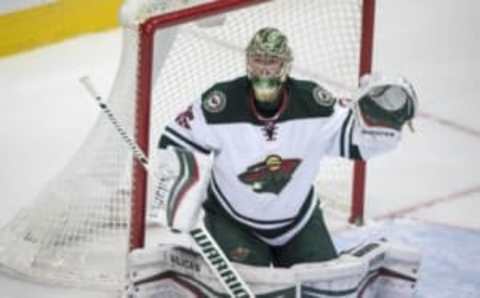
(240, 163)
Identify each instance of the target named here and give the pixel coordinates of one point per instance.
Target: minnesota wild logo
(270, 175)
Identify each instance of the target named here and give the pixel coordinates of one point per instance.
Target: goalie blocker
(377, 269)
(181, 179)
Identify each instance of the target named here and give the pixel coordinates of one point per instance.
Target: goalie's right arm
(184, 169)
(189, 131)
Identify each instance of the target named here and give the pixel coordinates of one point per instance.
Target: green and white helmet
(269, 60)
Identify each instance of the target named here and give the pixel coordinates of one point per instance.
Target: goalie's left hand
(387, 102)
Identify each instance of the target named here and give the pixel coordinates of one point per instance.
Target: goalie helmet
(269, 60)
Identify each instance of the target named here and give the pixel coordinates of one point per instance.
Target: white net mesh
(77, 231)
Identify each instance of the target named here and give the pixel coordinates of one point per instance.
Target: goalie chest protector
(264, 168)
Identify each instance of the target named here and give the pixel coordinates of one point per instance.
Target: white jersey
(264, 167)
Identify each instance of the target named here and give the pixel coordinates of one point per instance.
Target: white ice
(432, 181)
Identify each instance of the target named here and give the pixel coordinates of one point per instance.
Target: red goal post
(366, 60)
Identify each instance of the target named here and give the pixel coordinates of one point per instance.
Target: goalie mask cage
(79, 230)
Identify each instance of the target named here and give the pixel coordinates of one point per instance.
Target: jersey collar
(258, 116)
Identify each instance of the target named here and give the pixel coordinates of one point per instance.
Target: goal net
(81, 227)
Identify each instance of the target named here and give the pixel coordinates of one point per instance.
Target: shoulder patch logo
(323, 97)
(215, 101)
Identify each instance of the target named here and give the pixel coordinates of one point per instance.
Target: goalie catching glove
(385, 102)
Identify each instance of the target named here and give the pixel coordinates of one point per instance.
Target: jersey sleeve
(350, 140)
(189, 130)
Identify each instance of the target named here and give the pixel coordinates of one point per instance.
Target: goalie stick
(208, 247)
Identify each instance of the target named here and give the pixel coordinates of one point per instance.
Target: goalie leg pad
(376, 269)
(171, 271)
(392, 270)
